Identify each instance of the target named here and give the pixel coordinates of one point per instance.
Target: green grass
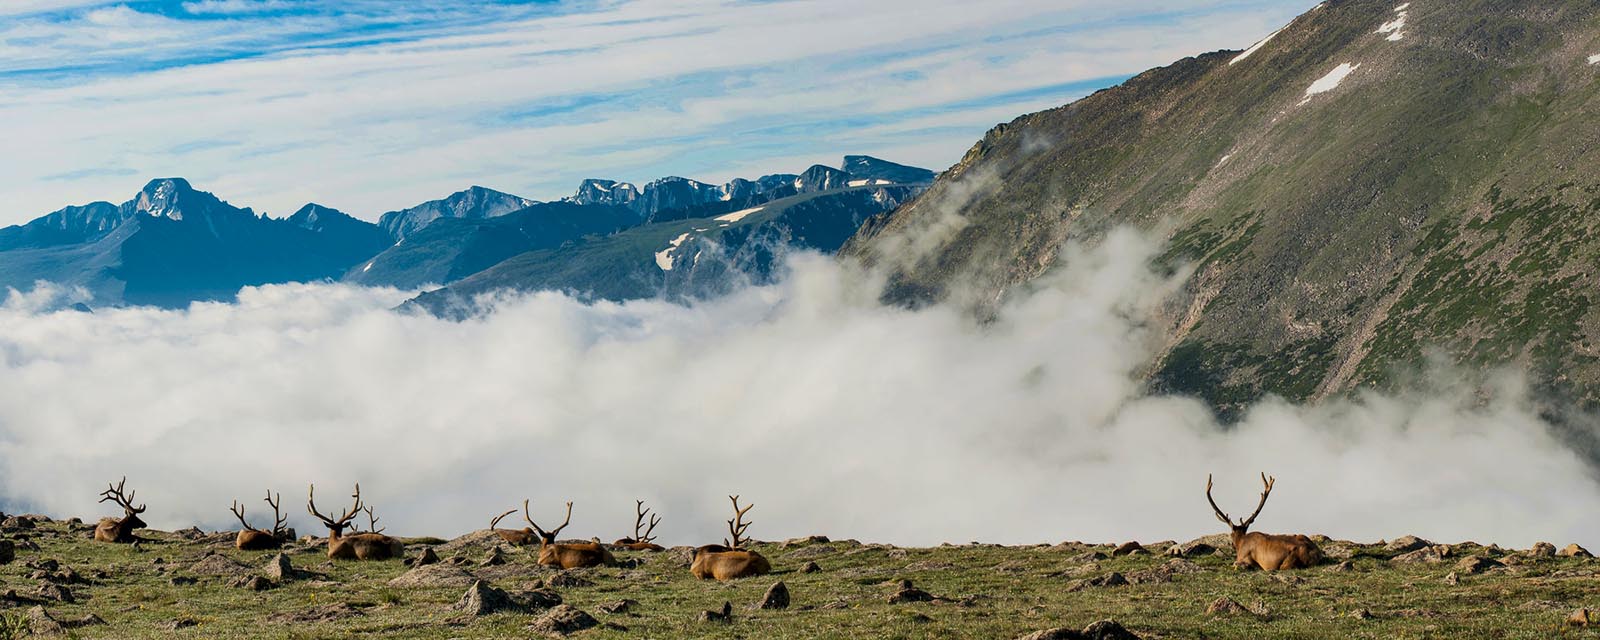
(993, 592)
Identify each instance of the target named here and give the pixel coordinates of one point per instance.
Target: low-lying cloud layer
(832, 413)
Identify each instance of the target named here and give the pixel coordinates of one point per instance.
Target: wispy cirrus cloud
(371, 106)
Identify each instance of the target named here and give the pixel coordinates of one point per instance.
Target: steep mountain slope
(1376, 179)
(172, 244)
(692, 257)
(475, 203)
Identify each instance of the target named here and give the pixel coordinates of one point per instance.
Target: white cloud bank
(830, 412)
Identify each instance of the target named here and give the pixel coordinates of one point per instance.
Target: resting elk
(1267, 551)
(356, 546)
(729, 560)
(570, 555)
(253, 539)
(119, 529)
(520, 537)
(641, 541)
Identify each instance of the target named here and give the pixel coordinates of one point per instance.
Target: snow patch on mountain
(1396, 27)
(1331, 81)
(1255, 47)
(664, 256)
(1594, 59)
(738, 215)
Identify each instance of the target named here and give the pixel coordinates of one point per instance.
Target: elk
(569, 555)
(253, 539)
(1267, 551)
(356, 546)
(520, 537)
(641, 541)
(119, 529)
(729, 560)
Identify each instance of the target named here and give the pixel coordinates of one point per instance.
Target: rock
(8, 551)
(567, 580)
(1112, 579)
(1191, 549)
(182, 581)
(811, 552)
(1127, 548)
(180, 623)
(17, 523)
(1452, 579)
(1542, 550)
(810, 567)
(908, 593)
(1580, 618)
(493, 558)
(800, 542)
(1476, 564)
(1433, 554)
(52, 591)
(278, 568)
(41, 623)
(219, 565)
(1342, 567)
(1361, 614)
(1163, 573)
(1102, 630)
(1574, 550)
(898, 554)
(1225, 606)
(563, 620)
(46, 564)
(1061, 633)
(482, 599)
(725, 615)
(426, 557)
(252, 583)
(618, 606)
(776, 597)
(434, 575)
(1406, 544)
(192, 533)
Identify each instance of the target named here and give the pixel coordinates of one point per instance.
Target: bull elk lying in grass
(569, 555)
(1267, 551)
(520, 537)
(729, 560)
(641, 541)
(253, 539)
(119, 529)
(356, 546)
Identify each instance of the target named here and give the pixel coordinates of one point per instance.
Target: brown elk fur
(119, 529)
(569, 555)
(1269, 552)
(356, 546)
(253, 539)
(729, 561)
(520, 537)
(641, 541)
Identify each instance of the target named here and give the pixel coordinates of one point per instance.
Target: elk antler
(278, 519)
(496, 521)
(344, 520)
(238, 512)
(1220, 515)
(114, 493)
(638, 523)
(548, 535)
(1267, 483)
(737, 525)
(372, 522)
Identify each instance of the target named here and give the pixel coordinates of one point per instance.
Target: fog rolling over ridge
(831, 412)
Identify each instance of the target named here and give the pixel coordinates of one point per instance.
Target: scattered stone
(1102, 630)
(1191, 549)
(494, 558)
(1476, 564)
(1342, 567)
(1089, 556)
(46, 564)
(1542, 550)
(835, 605)
(219, 565)
(278, 568)
(8, 551)
(898, 554)
(725, 615)
(434, 575)
(1127, 548)
(1361, 614)
(618, 607)
(1288, 579)
(52, 591)
(252, 583)
(426, 557)
(482, 599)
(776, 597)
(908, 593)
(563, 620)
(1580, 618)
(18, 522)
(800, 542)
(810, 567)
(1163, 573)
(192, 533)
(1112, 579)
(1406, 544)
(1574, 550)
(181, 581)
(1226, 606)
(180, 623)
(1433, 554)
(41, 623)
(568, 580)
(918, 618)
(1452, 579)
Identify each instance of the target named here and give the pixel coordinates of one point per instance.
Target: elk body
(520, 537)
(1267, 551)
(570, 555)
(356, 546)
(641, 541)
(253, 539)
(119, 529)
(728, 561)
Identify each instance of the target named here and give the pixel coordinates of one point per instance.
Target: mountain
(870, 168)
(476, 203)
(1373, 181)
(172, 244)
(692, 257)
(453, 248)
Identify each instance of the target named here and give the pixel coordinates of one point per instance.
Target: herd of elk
(641, 541)
(1267, 551)
(729, 560)
(356, 546)
(119, 529)
(253, 539)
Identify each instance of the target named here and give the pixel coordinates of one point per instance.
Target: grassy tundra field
(196, 585)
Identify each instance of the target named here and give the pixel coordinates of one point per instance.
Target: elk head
(570, 555)
(336, 526)
(545, 537)
(642, 541)
(253, 539)
(1243, 526)
(356, 546)
(1266, 551)
(119, 529)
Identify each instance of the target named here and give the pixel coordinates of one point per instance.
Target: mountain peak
(870, 168)
(170, 197)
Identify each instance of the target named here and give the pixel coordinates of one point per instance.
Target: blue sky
(373, 105)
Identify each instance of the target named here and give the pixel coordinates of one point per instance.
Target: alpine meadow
(1253, 319)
